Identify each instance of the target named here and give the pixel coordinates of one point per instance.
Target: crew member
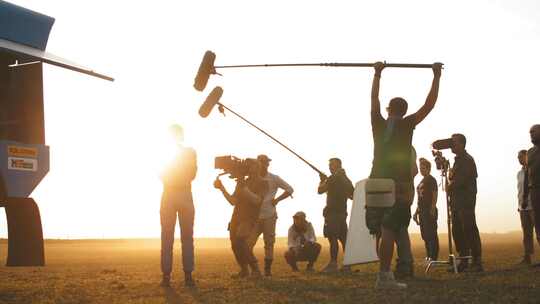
(533, 165)
(338, 188)
(426, 212)
(302, 243)
(177, 202)
(392, 139)
(526, 214)
(462, 190)
(246, 199)
(266, 223)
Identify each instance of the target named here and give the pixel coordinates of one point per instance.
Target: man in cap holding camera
(462, 190)
(392, 139)
(246, 199)
(177, 201)
(266, 224)
(338, 189)
(302, 243)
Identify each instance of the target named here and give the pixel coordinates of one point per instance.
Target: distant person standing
(533, 165)
(177, 201)
(526, 214)
(302, 243)
(426, 212)
(462, 189)
(266, 224)
(338, 188)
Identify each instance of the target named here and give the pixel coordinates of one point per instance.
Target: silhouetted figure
(462, 190)
(246, 199)
(392, 139)
(426, 212)
(533, 176)
(177, 201)
(302, 243)
(526, 213)
(266, 224)
(338, 189)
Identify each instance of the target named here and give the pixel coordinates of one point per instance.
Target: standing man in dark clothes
(392, 139)
(426, 212)
(526, 214)
(533, 165)
(246, 199)
(462, 190)
(177, 201)
(338, 189)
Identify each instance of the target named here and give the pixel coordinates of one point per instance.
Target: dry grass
(127, 271)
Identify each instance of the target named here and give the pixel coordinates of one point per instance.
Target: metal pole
(273, 138)
(332, 64)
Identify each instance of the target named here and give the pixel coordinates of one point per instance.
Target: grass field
(127, 271)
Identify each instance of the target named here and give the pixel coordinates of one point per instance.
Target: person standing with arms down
(426, 212)
(392, 139)
(177, 201)
(338, 188)
(462, 189)
(533, 169)
(268, 215)
(526, 214)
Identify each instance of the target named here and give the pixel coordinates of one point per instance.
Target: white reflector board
(360, 247)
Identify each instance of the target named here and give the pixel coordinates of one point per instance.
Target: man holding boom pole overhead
(392, 138)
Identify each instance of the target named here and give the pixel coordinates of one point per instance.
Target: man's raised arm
(432, 96)
(375, 102)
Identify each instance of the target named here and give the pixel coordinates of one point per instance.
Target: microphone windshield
(205, 69)
(210, 102)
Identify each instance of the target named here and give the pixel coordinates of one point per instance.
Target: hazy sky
(108, 140)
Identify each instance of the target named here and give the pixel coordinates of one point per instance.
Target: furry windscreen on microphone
(210, 101)
(205, 70)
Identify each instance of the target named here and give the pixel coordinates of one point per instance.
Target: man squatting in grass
(338, 189)
(177, 201)
(392, 139)
(246, 199)
(266, 224)
(302, 243)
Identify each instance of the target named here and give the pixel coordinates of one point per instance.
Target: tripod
(443, 164)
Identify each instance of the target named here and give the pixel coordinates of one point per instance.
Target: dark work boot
(165, 281)
(188, 280)
(244, 272)
(268, 267)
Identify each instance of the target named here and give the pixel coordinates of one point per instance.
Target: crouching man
(246, 199)
(302, 243)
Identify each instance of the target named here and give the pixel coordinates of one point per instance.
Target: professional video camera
(232, 165)
(440, 161)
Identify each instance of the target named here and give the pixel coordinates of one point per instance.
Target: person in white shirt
(525, 210)
(302, 243)
(266, 224)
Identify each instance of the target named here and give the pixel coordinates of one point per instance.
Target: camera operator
(302, 243)
(338, 188)
(392, 139)
(177, 202)
(266, 223)
(462, 190)
(526, 214)
(426, 211)
(246, 199)
(533, 165)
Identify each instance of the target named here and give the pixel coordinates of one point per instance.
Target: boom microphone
(442, 144)
(210, 102)
(205, 69)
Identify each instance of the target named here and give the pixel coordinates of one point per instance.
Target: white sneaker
(385, 280)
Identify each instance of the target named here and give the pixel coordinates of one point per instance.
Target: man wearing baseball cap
(302, 243)
(266, 224)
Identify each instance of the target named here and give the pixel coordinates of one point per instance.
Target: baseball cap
(299, 214)
(263, 158)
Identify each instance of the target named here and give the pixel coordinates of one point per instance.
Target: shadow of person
(171, 296)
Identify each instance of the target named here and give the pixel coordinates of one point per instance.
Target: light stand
(444, 165)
